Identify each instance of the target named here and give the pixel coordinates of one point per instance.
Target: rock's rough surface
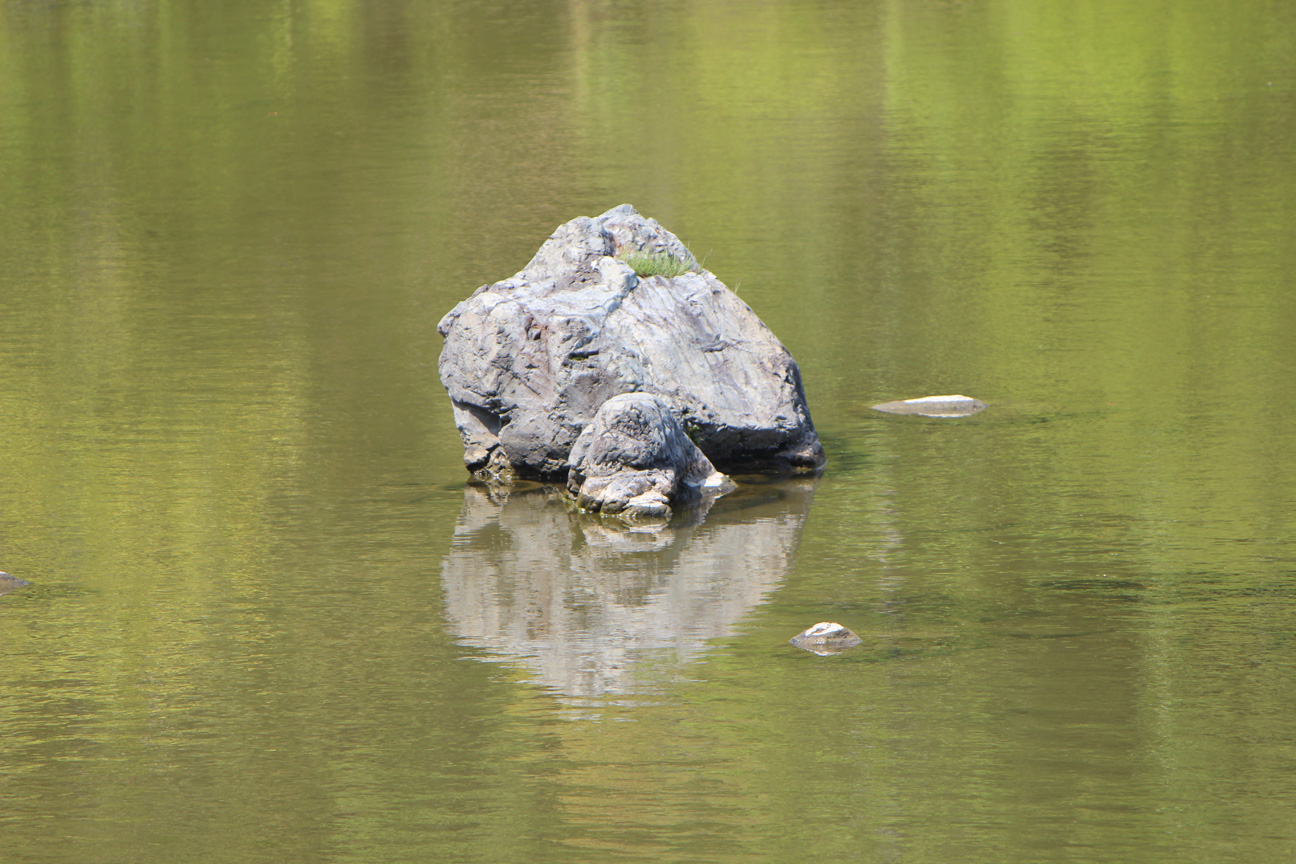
(934, 406)
(826, 637)
(529, 360)
(635, 460)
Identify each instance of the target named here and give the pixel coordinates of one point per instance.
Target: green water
(269, 621)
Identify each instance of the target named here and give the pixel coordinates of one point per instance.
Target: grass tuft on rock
(645, 263)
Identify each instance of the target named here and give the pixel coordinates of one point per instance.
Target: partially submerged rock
(635, 460)
(826, 637)
(529, 360)
(934, 406)
(11, 583)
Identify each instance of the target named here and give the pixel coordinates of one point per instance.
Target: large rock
(528, 361)
(634, 460)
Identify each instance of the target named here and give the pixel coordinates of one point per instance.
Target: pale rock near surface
(529, 360)
(934, 406)
(826, 637)
(634, 460)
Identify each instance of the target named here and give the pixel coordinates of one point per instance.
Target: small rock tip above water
(11, 583)
(934, 406)
(826, 637)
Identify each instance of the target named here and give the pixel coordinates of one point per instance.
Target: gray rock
(635, 460)
(11, 583)
(826, 637)
(529, 360)
(934, 406)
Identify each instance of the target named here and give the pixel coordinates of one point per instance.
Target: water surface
(269, 622)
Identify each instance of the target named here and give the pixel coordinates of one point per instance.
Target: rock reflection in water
(595, 609)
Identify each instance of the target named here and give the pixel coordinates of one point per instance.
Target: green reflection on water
(229, 470)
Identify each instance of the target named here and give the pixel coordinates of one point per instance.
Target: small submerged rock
(11, 583)
(826, 637)
(934, 406)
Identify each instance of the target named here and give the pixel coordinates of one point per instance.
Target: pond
(270, 620)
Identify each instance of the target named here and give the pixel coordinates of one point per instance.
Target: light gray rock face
(529, 360)
(635, 460)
